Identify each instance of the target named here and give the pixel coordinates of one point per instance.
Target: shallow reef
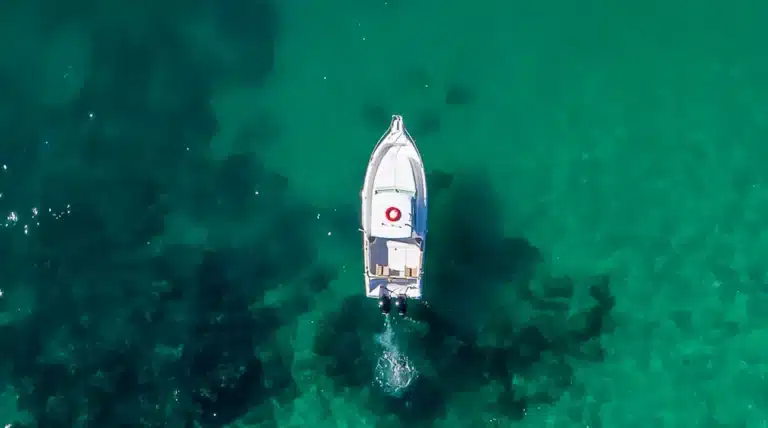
(145, 285)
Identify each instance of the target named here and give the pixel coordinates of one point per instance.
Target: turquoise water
(180, 190)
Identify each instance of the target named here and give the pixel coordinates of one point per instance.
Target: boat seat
(411, 272)
(382, 270)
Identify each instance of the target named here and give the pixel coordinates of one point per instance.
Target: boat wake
(394, 371)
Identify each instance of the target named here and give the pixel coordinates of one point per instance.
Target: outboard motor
(385, 304)
(401, 305)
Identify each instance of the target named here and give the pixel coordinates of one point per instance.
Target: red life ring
(393, 214)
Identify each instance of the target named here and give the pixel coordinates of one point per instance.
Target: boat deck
(394, 258)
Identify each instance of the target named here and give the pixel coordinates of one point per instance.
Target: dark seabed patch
(458, 95)
(375, 115)
(462, 339)
(127, 329)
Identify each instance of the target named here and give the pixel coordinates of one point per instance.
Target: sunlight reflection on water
(25, 220)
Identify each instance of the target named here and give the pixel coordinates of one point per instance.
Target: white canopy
(392, 215)
(395, 172)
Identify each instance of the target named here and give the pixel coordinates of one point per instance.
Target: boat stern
(393, 294)
(378, 287)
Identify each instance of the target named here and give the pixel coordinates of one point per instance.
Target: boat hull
(394, 217)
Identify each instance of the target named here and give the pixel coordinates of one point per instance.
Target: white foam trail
(394, 371)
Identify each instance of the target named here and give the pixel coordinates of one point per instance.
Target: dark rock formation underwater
(106, 322)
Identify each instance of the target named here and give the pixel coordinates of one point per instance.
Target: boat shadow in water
(493, 314)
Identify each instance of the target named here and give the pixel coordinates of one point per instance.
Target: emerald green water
(180, 195)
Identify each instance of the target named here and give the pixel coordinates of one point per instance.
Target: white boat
(394, 219)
